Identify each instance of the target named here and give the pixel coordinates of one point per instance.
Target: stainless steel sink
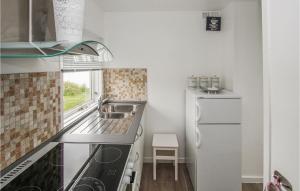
(113, 115)
(119, 107)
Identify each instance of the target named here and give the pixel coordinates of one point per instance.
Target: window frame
(92, 103)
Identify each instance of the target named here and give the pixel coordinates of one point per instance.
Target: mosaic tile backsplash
(30, 112)
(126, 83)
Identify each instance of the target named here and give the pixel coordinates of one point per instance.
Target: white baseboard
(150, 160)
(252, 179)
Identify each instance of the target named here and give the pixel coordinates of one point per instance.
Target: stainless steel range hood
(28, 30)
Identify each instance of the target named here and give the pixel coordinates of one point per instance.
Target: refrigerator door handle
(198, 138)
(198, 112)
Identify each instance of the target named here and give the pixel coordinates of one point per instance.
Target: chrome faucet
(103, 100)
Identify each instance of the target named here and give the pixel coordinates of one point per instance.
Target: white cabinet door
(140, 161)
(137, 156)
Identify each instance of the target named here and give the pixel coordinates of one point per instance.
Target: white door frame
(271, 11)
(266, 94)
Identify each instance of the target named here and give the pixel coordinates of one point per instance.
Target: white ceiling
(164, 5)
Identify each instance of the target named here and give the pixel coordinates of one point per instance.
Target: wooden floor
(252, 187)
(165, 179)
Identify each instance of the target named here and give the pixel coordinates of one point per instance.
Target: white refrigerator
(213, 140)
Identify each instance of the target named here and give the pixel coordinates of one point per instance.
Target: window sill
(77, 116)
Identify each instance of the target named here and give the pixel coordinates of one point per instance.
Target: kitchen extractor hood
(46, 28)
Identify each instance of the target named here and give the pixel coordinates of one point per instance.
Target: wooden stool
(166, 142)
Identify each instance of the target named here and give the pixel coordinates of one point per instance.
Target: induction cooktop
(70, 166)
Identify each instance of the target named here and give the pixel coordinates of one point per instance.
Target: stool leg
(154, 164)
(176, 164)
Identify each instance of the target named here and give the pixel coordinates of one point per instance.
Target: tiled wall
(30, 112)
(30, 106)
(126, 83)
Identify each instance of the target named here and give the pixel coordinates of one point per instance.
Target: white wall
(229, 22)
(244, 74)
(249, 83)
(93, 20)
(174, 45)
(281, 71)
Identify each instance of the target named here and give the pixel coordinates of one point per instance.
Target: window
(81, 90)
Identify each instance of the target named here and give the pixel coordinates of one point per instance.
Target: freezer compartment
(218, 111)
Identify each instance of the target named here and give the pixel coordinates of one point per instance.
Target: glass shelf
(52, 48)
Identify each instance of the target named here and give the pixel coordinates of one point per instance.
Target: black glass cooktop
(78, 167)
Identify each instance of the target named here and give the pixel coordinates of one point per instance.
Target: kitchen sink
(119, 107)
(113, 115)
(114, 118)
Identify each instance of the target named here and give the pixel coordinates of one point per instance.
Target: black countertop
(71, 166)
(125, 139)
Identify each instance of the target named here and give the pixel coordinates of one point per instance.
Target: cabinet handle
(198, 112)
(198, 138)
(282, 181)
(139, 134)
(137, 156)
(142, 130)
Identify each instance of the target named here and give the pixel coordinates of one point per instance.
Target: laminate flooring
(165, 179)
